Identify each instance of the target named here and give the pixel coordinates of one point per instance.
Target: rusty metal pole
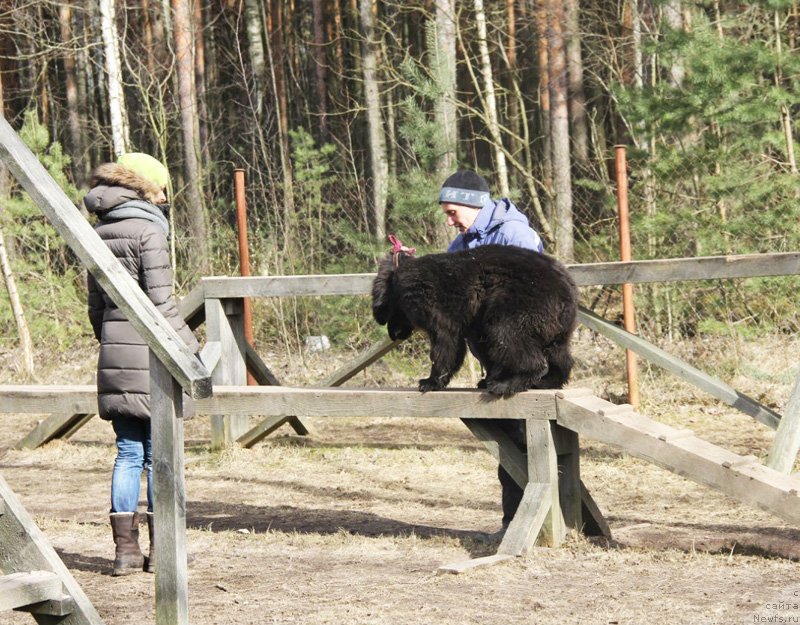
(628, 312)
(244, 256)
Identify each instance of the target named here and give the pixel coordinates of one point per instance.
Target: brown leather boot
(149, 563)
(128, 557)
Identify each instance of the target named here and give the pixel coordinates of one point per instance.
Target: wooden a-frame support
(34, 578)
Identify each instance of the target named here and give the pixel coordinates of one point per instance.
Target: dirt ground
(350, 524)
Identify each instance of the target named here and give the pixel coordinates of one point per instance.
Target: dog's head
(385, 305)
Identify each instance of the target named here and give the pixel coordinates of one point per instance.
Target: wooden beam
(53, 427)
(678, 269)
(22, 589)
(529, 521)
(225, 325)
(192, 307)
(708, 383)
(350, 402)
(104, 266)
(25, 548)
(590, 274)
(256, 366)
(284, 401)
(361, 362)
(169, 493)
(467, 565)
(44, 399)
(210, 355)
(61, 606)
(594, 523)
(279, 286)
(786, 444)
(569, 476)
(501, 447)
(263, 375)
(543, 468)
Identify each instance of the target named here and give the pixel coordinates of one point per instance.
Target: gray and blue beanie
(465, 187)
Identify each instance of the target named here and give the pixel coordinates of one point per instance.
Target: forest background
(346, 116)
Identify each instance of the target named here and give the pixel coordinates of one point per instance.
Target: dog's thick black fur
(516, 307)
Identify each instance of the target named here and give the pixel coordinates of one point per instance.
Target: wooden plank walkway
(284, 401)
(680, 451)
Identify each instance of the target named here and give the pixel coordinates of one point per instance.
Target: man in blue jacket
(467, 203)
(468, 206)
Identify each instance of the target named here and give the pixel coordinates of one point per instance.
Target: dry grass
(350, 525)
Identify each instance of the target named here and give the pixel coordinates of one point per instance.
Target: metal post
(244, 256)
(628, 312)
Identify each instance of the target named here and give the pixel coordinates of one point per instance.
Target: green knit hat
(146, 166)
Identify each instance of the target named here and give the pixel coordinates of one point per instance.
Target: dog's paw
(482, 384)
(505, 388)
(430, 384)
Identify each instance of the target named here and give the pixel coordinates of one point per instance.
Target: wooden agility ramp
(680, 451)
(555, 499)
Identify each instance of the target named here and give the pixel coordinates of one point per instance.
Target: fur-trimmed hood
(114, 175)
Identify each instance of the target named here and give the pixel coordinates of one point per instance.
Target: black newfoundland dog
(515, 307)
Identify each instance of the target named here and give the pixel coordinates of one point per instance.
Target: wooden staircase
(35, 579)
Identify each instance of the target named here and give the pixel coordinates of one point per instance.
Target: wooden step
(18, 590)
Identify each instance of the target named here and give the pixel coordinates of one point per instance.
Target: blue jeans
(134, 455)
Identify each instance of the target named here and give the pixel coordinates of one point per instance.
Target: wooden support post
(225, 325)
(786, 444)
(543, 468)
(539, 513)
(166, 414)
(588, 517)
(569, 476)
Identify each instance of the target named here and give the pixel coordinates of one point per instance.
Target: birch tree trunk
(255, 47)
(636, 47)
(559, 126)
(5, 265)
(444, 69)
(515, 105)
(786, 118)
(490, 101)
(379, 162)
(673, 17)
(16, 307)
(579, 121)
(184, 59)
(116, 99)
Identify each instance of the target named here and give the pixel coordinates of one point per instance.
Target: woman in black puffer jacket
(129, 199)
